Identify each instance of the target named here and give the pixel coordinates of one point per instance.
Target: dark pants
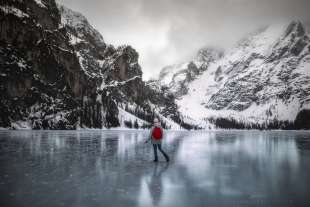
(155, 146)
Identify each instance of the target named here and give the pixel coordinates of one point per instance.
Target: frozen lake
(115, 168)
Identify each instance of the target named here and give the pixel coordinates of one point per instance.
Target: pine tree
(136, 125)
(128, 124)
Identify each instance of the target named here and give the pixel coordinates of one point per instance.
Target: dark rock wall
(39, 67)
(59, 74)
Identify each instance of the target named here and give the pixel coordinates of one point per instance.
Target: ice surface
(115, 168)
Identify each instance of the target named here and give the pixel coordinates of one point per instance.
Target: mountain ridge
(57, 72)
(262, 82)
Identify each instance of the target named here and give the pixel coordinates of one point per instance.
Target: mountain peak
(78, 22)
(292, 42)
(295, 27)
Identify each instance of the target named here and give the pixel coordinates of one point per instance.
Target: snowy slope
(167, 73)
(125, 116)
(264, 78)
(176, 77)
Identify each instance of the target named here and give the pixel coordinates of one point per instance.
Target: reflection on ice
(115, 168)
(152, 188)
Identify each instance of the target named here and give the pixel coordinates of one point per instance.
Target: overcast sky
(170, 31)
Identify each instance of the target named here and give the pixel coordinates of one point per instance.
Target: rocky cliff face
(58, 73)
(39, 71)
(263, 82)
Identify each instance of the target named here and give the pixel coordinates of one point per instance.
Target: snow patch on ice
(21, 125)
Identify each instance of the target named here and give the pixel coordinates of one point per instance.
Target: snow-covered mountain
(177, 77)
(57, 72)
(262, 82)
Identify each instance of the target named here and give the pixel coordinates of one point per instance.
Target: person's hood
(157, 124)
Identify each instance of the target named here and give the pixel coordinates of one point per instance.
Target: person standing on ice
(156, 137)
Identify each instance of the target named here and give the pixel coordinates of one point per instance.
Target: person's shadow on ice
(155, 184)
